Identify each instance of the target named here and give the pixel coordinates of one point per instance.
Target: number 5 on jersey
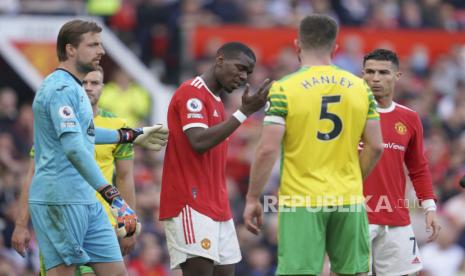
(325, 115)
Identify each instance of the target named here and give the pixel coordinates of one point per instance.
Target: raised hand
(252, 102)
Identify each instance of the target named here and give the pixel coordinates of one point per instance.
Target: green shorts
(306, 234)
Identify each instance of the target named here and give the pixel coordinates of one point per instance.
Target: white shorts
(394, 250)
(192, 234)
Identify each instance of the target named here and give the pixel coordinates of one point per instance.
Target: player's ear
(335, 48)
(70, 50)
(219, 59)
(398, 74)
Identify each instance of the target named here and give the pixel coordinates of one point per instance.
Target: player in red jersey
(194, 202)
(394, 247)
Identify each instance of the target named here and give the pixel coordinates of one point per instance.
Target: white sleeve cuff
(428, 205)
(191, 125)
(274, 120)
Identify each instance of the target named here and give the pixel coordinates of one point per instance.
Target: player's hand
(127, 244)
(253, 215)
(253, 102)
(152, 137)
(127, 223)
(20, 239)
(432, 225)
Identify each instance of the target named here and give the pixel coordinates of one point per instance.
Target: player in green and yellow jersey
(316, 117)
(108, 157)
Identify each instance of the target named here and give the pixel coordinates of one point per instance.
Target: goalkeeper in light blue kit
(70, 224)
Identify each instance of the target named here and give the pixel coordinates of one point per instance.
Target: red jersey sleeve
(417, 163)
(191, 108)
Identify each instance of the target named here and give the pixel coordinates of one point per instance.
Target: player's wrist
(128, 135)
(240, 116)
(109, 193)
(252, 198)
(21, 223)
(428, 205)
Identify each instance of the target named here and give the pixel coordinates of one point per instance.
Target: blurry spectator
(446, 105)
(353, 12)
(228, 10)
(419, 60)
(8, 109)
(385, 15)
(9, 158)
(126, 99)
(149, 260)
(410, 14)
(455, 124)
(256, 14)
(289, 13)
(23, 128)
(443, 257)
(453, 209)
(447, 17)
(151, 30)
(437, 153)
(429, 11)
(258, 263)
(324, 7)
(286, 61)
(350, 55)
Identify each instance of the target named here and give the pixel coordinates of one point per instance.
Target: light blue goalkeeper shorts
(74, 234)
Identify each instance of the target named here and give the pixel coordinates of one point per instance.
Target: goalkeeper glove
(127, 223)
(153, 137)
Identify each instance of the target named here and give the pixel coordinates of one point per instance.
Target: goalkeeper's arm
(153, 137)
(85, 164)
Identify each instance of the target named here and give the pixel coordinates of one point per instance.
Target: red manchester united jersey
(191, 178)
(384, 188)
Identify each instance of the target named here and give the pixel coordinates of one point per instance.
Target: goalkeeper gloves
(127, 223)
(153, 137)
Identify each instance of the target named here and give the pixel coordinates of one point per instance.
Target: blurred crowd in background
(152, 29)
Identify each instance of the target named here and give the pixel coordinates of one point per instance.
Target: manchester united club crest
(400, 128)
(205, 244)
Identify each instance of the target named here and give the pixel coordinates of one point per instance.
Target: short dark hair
(317, 31)
(382, 54)
(233, 49)
(71, 32)
(100, 69)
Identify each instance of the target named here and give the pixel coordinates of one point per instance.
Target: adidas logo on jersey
(215, 114)
(416, 261)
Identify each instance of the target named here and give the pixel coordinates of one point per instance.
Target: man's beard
(85, 67)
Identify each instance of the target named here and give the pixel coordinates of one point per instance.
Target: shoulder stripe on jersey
(199, 83)
(191, 125)
(274, 120)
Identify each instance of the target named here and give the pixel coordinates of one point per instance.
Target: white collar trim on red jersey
(387, 109)
(199, 80)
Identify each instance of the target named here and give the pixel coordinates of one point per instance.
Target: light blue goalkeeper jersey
(60, 106)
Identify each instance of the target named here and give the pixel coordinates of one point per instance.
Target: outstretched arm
(152, 137)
